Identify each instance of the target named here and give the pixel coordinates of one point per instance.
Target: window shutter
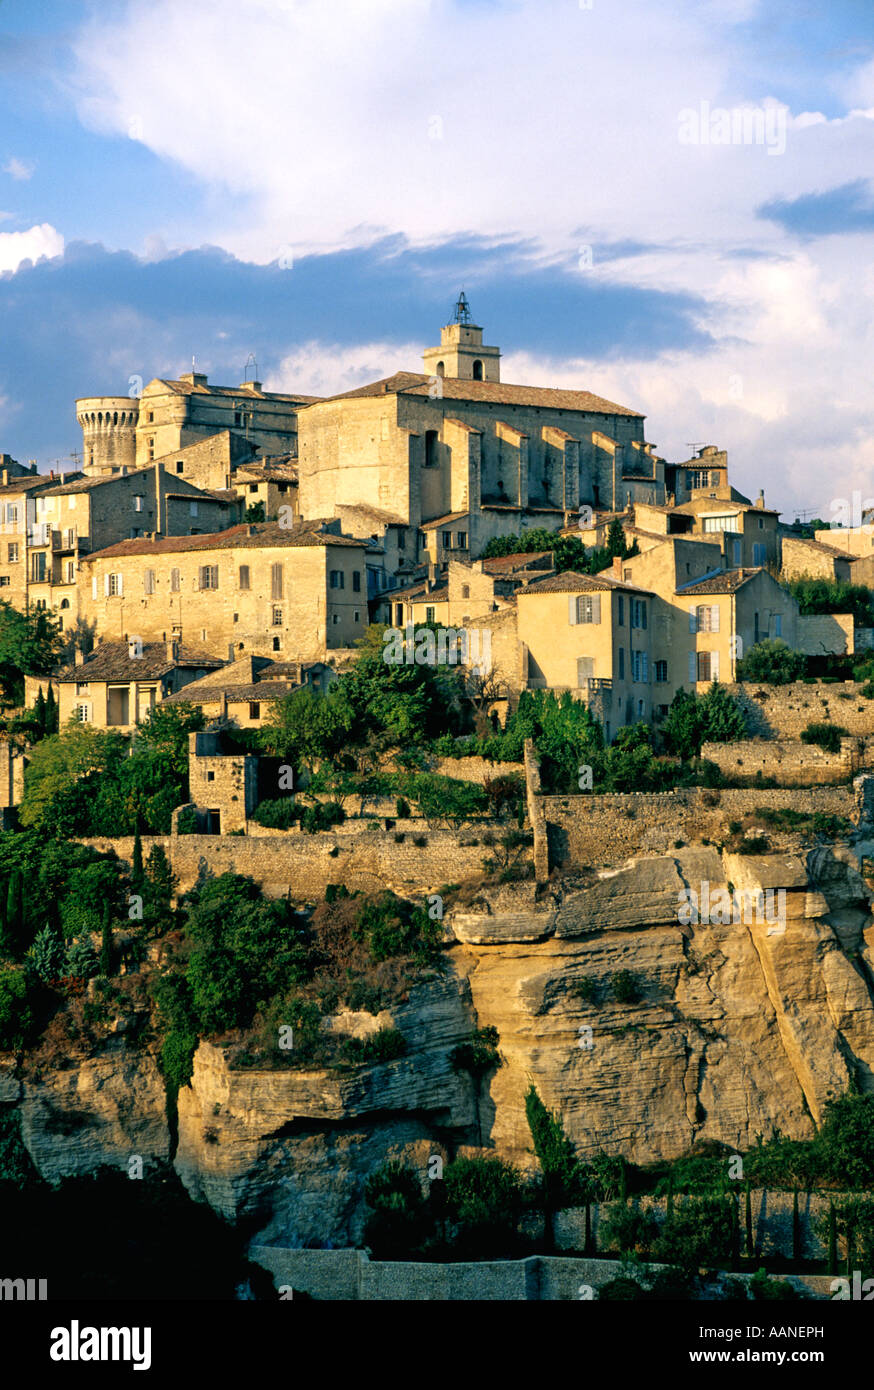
(692, 668)
(572, 609)
(276, 581)
(693, 622)
(94, 586)
(714, 619)
(714, 666)
(596, 608)
(642, 613)
(214, 576)
(120, 585)
(644, 665)
(106, 585)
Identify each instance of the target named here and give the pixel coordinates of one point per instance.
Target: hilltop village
(433, 774)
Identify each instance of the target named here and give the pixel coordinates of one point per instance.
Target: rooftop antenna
(462, 309)
(698, 444)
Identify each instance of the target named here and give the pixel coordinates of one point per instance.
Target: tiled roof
(490, 392)
(248, 678)
(419, 591)
(187, 388)
(821, 547)
(443, 520)
(253, 536)
(523, 559)
(568, 582)
(725, 583)
(112, 661)
(27, 484)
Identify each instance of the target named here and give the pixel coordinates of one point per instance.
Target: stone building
(223, 784)
(243, 691)
(469, 455)
(257, 588)
(116, 685)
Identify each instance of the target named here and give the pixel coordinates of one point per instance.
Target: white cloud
(325, 369)
(38, 241)
(20, 169)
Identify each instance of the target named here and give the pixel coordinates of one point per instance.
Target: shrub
(479, 1054)
(565, 1180)
(402, 806)
(484, 1198)
(625, 987)
(762, 1288)
(771, 661)
(16, 1013)
(398, 1220)
(81, 958)
(277, 814)
(628, 1230)
(825, 736)
(322, 816)
(383, 1046)
(585, 989)
(697, 1232)
(186, 821)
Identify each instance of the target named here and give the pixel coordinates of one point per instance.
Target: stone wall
(789, 761)
(348, 1275)
(783, 711)
(605, 830)
(475, 769)
(301, 865)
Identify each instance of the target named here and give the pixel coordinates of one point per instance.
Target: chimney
(79, 656)
(760, 500)
(171, 647)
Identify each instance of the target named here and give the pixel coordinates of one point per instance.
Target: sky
(669, 204)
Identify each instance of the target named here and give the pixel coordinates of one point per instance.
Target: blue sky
(312, 182)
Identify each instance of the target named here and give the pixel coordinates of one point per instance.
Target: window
(253, 487)
(356, 616)
(620, 610)
(661, 672)
(640, 667)
(149, 581)
(238, 417)
(83, 714)
(13, 553)
(714, 524)
(708, 666)
(335, 619)
(151, 417)
(276, 581)
(38, 568)
(210, 776)
(138, 503)
(446, 537)
(399, 614)
(356, 582)
(174, 581)
(276, 644)
(277, 617)
(208, 577)
(12, 514)
(760, 554)
(737, 552)
(706, 619)
(180, 466)
(244, 576)
(477, 370)
(461, 540)
(465, 591)
(755, 628)
(621, 671)
(402, 540)
(638, 613)
(778, 624)
(192, 509)
(431, 438)
(254, 709)
(585, 670)
(429, 615)
(626, 575)
(83, 687)
(761, 523)
(337, 579)
(584, 608)
(4, 581)
(151, 449)
(70, 572)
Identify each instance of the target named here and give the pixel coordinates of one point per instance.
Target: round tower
(109, 433)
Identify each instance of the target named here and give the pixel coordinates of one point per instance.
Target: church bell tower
(461, 353)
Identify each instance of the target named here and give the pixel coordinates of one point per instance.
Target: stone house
(258, 588)
(116, 685)
(808, 559)
(223, 784)
(243, 691)
(592, 635)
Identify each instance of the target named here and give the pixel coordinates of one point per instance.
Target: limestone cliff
(739, 1028)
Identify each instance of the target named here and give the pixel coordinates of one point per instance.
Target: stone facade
(789, 761)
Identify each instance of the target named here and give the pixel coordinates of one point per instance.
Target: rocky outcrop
(740, 1014)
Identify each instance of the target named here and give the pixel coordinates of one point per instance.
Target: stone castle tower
(461, 352)
(109, 433)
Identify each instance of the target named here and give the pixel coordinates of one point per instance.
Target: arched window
(441, 368)
(477, 370)
(65, 603)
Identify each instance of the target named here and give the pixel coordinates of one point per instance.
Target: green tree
(47, 955)
(16, 1013)
(64, 774)
(81, 958)
(714, 717)
(484, 1199)
(772, 662)
(29, 644)
(398, 1220)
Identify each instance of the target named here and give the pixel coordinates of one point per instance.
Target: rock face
(743, 1014)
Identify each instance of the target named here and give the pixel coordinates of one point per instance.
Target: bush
(625, 988)
(322, 816)
(762, 1288)
(692, 719)
(628, 1230)
(398, 1220)
(697, 1232)
(186, 821)
(383, 1046)
(278, 814)
(479, 1054)
(484, 1199)
(825, 736)
(16, 1013)
(81, 958)
(773, 662)
(585, 989)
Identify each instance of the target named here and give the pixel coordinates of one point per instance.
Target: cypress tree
(588, 1246)
(51, 715)
(623, 1180)
(136, 873)
(748, 1215)
(832, 1240)
(39, 711)
(735, 1231)
(14, 924)
(669, 1205)
(796, 1227)
(106, 943)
